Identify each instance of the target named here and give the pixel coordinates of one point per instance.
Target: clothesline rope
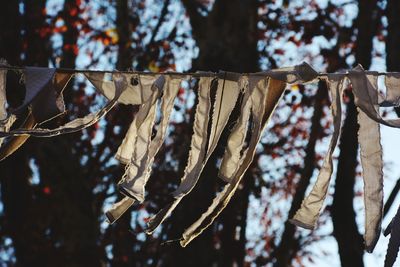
(193, 74)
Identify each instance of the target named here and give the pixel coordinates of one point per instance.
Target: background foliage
(54, 191)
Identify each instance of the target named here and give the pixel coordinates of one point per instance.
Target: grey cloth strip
(129, 185)
(4, 123)
(309, 211)
(77, 124)
(302, 73)
(119, 208)
(3, 97)
(264, 98)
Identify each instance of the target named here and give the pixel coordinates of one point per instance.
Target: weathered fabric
(3, 97)
(76, 124)
(138, 90)
(3, 101)
(136, 184)
(366, 95)
(50, 96)
(197, 151)
(370, 151)
(131, 184)
(152, 86)
(309, 211)
(260, 94)
(264, 96)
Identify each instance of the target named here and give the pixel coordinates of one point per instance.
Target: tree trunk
(343, 216)
(23, 223)
(227, 40)
(289, 245)
(124, 242)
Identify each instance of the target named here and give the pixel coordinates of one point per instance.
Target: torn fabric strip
(129, 184)
(365, 95)
(126, 149)
(138, 91)
(40, 91)
(371, 155)
(225, 100)
(137, 183)
(264, 98)
(311, 206)
(4, 125)
(197, 147)
(151, 86)
(77, 124)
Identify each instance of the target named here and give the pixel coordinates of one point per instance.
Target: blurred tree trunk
(21, 206)
(73, 222)
(289, 245)
(393, 36)
(227, 40)
(350, 242)
(124, 241)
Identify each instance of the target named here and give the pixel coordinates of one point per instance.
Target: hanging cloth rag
(264, 96)
(309, 211)
(151, 85)
(371, 152)
(138, 183)
(225, 100)
(44, 87)
(5, 121)
(140, 132)
(138, 90)
(76, 124)
(368, 99)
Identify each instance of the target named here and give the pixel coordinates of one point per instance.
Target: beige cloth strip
(76, 124)
(4, 123)
(197, 148)
(129, 184)
(60, 80)
(311, 206)
(138, 90)
(226, 97)
(366, 95)
(225, 100)
(126, 149)
(231, 159)
(371, 158)
(264, 98)
(392, 82)
(170, 91)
